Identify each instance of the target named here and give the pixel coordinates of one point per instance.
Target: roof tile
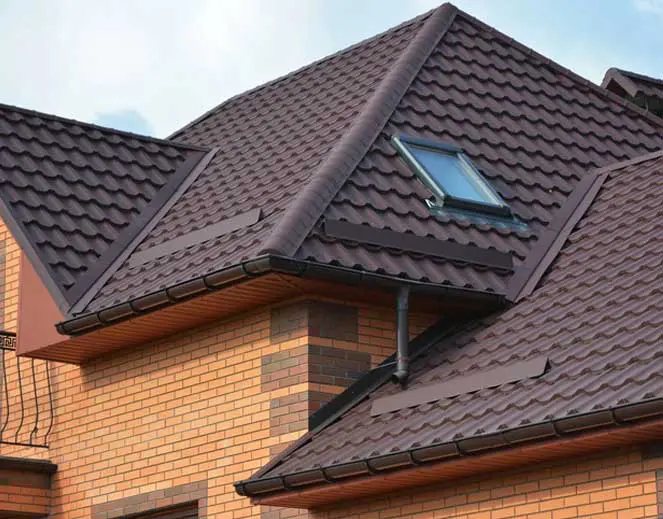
(598, 317)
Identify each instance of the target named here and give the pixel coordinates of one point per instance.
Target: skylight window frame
(496, 206)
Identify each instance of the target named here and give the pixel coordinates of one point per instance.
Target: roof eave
(287, 489)
(253, 268)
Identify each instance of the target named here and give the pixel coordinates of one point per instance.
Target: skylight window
(450, 175)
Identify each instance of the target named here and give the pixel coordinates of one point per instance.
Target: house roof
(301, 167)
(74, 194)
(531, 126)
(633, 83)
(582, 351)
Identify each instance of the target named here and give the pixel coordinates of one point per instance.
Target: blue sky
(154, 65)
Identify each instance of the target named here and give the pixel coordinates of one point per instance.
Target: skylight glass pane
(448, 172)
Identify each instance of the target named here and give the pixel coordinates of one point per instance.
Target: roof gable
(73, 194)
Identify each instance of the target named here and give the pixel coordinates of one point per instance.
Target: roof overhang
(254, 283)
(565, 438)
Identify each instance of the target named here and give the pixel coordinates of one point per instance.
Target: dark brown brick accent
(289, 322)
(336, 366)
(285, 368)
(652, 451)
(152, 501)
(314, 318)
(333, 321)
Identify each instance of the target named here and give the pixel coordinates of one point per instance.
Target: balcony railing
(26, 397)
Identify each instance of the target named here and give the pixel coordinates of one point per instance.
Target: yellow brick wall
(11, 254)
(179, 411)
(618, 485)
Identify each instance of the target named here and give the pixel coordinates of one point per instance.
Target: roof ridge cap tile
(658, 121)
(638, 76)
(292, 73)
(336, 168)
(104, 129)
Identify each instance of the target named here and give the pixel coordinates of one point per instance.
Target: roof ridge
(95, 278)
(288, 75)
(340, 162)
(658, 121)
(641, 77)
(105, 129)
(615, 166)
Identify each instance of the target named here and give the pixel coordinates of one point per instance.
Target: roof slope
(271, 140)
(70, 191)
(598, 319)
(533, 128)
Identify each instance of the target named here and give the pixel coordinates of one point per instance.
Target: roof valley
(87, 287)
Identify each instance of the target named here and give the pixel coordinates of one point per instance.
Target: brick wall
(10, 255)
(618, 485)
(208, 407)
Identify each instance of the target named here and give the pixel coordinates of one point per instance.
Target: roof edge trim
(93, 280)
(527, 277)
(621, 416)
(105, 129)
(258, 266)
(344, 157)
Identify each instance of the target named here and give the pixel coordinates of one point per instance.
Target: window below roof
(451, 176)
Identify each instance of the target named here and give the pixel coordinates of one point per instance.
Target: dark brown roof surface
(312, 147)
(271, 141)
(74, 189)
(634, 83)
(289, 146)
(597, 318)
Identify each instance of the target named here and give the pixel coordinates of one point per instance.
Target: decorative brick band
(153, 501)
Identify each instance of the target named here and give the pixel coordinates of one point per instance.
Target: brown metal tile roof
(73, 190)
(271, 140)
(597, 318)
(313, 146)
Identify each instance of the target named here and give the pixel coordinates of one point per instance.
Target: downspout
(402, 372)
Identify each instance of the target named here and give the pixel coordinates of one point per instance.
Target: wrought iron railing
(26, 399)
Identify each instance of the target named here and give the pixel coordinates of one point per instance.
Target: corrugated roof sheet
(73, 189)
(598, 318)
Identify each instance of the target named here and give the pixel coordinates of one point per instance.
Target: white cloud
(649, 6)
(170, 60)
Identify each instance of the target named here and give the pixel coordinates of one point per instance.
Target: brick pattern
(152, 501)
(612, 486)
(10, 256)
(213, 404)
(23, 492)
